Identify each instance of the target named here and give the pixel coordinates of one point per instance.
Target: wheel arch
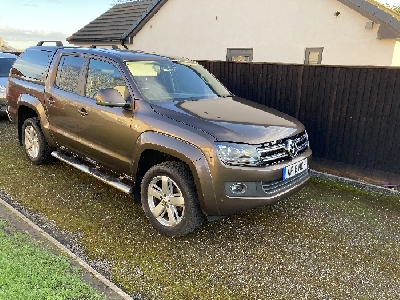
(29, 107)
(153, 148)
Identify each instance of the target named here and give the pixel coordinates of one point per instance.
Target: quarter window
(102, 75)
(32, 64)
(68, 73)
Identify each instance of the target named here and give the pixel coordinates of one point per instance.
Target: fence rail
(352, 114)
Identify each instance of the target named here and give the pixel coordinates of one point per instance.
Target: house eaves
(388, 20)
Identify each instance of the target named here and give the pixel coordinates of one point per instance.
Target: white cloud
(21, 39)
(30, 4)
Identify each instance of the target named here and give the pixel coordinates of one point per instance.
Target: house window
(313, 56)
(239, 54)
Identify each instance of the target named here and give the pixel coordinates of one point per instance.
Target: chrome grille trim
(271, 148)
(274, 157)
(273, 153)
(272, 188)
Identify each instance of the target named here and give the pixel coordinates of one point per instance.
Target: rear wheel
(35, 145)
(169, 199)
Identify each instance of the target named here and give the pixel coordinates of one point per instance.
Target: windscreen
(5, 66)
(175, 80)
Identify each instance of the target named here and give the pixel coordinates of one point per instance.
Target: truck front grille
(275, 152)
(272, 188)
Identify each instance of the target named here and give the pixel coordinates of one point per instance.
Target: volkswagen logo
(291, 148)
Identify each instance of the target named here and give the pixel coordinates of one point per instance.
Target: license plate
(294, 169)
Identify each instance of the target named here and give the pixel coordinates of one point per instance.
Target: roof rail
(112, 46)
(58, 43)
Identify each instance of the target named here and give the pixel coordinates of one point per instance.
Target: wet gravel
(328, 241)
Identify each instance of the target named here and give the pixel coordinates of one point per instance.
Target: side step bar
(94, 172)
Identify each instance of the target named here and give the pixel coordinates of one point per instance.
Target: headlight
(238, 154)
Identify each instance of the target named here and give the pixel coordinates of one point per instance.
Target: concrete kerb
(72, 255)
(356, 183)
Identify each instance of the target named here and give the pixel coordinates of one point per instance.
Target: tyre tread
(192, 207)
(45, 149)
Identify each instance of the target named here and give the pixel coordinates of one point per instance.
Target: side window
(5, 66)
(32, 64)
(102, 75)
(68, 73)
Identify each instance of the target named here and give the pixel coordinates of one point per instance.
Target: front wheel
(169, 199)
(35, 145)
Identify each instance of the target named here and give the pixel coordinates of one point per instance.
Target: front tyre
(35, 145)
(169, 199)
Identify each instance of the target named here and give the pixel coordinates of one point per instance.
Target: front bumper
(265, 186)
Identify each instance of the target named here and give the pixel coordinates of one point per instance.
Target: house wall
(278, 31)
(396, 55)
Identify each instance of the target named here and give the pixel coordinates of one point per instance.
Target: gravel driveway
(329, 241)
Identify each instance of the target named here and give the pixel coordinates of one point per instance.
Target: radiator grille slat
(273, 153)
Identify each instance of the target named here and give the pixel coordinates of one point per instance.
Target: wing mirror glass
(111, 97)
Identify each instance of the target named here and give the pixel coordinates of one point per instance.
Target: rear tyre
(169, 199)
(35, 145)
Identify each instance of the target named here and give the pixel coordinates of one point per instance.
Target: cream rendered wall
(396, 55)
(278, 31)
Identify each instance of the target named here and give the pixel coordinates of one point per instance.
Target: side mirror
(111, 97)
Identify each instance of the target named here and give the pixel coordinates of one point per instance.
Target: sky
(23, 23)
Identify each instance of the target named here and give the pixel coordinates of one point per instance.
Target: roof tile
(113, 23)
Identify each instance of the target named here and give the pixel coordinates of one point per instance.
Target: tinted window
(68, 73)
(103, 75)
(5, 66)
(32, 64)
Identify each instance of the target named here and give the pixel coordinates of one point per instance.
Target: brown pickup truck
(160, 128)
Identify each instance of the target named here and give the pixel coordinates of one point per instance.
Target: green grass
(327, 241)
(28, 271)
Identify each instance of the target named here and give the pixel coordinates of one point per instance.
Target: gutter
(389, 26)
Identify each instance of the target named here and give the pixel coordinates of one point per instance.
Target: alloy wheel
(166, 201)
(31, 141)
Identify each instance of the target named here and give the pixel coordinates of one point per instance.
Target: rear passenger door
(63, 93)
(105, 132)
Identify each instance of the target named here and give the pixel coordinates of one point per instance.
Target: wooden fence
(352, 114)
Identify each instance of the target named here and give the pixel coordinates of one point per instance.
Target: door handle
(50, 100)
(82, 112)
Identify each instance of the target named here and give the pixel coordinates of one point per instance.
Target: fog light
(238, 188)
